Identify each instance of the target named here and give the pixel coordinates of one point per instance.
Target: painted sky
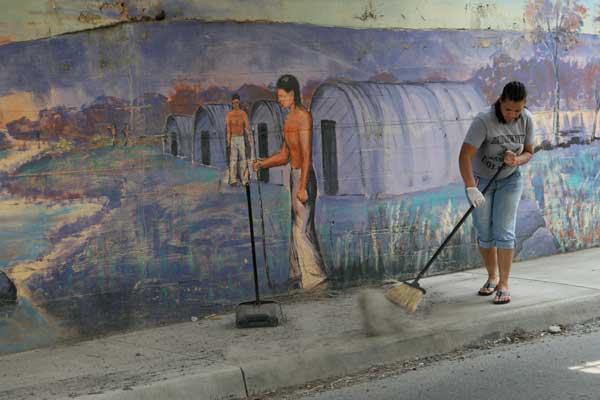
(132, 59)
(32, 19)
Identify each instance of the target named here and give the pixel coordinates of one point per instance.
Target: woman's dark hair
(289, 83)
(235, 97)
(513, 91)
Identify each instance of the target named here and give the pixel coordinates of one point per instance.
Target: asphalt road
(561, 367)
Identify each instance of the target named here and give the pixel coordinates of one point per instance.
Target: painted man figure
(125, 134)
(237, 125)
(306, 264)
(113, 133)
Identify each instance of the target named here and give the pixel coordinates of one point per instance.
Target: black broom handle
(462, 220)
(262, 216)
(252, 241)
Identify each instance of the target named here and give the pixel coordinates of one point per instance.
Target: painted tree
(184, 97)
(597, 19)
(596, 86)
(596, 108)
(555, 26)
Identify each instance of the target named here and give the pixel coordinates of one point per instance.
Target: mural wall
(123, 154)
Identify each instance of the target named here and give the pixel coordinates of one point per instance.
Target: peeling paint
(119, 6)
(89, 18)
(484, 43)
(123, 7)
(6, 40)
(32, 19)
(482, 14)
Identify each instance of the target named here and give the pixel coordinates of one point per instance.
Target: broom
(262, 215)
(409, 294)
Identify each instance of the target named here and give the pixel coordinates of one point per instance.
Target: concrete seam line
(219, 384)
(545, 315)
(244, 380)
(513, 277)
(554, 283)
(144, 347)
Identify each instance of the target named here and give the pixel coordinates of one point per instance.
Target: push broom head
(407, 295)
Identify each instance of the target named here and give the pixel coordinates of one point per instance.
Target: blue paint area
(23, 235)
(177, 244)
(22, 328)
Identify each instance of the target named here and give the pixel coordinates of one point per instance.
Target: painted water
(24, 227)
(170, 240)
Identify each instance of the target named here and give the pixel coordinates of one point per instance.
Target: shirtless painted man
(307, 269)
(237, 125)
(125, 134)
(113, 132)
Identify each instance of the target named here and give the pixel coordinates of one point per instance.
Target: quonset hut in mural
(389, 138)
(178, 130)
(266, 121)
(210, 135)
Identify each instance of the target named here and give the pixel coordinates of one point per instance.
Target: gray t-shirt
(492, 138)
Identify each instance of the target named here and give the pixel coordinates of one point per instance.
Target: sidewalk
(323, 336)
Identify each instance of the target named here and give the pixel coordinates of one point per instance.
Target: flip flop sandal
(499, 295)
(488, 285)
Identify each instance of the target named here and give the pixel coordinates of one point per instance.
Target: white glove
(475, 196)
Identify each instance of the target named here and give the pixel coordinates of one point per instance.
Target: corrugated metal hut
(373, 138)
(210, 135)
(179, 129)
(266, 120)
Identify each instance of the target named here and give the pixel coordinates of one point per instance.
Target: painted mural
(124, 153)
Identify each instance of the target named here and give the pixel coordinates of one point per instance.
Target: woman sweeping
(499, 137)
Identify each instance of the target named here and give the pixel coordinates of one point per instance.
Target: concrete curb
(251, 378)
(225, 383)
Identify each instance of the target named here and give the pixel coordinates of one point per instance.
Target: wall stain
(89, 18)
(122, 7)
(369, 13)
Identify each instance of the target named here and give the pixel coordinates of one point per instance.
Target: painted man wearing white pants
(237, 125)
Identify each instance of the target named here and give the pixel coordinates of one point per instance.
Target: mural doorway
(174, 144)
(263, 149)
(329, 148)
(205, 147)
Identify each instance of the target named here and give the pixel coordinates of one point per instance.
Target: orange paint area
(17, 105)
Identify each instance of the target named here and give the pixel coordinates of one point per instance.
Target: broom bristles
(405, 295)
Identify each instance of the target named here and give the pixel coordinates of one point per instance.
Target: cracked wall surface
(31, 19)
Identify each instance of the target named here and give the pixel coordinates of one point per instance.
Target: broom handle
(458, 225)
(264, 240)
(252, 241)
(260, 203)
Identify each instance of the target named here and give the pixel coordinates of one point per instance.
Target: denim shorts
(495, 220)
